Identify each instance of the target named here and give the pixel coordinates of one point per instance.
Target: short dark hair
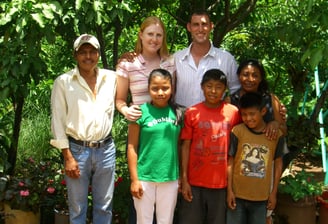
(251, 99)
(199, 12)
(214, 74)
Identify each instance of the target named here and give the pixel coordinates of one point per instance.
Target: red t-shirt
(209, 131)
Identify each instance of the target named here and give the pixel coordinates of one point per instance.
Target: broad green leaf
(6, 17)
(47, 11)
(316, 57)
(78, 4)
(21, 23)
(39, 19)
(126, 6)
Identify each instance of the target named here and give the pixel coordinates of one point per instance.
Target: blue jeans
(247, 212)
(97, 166)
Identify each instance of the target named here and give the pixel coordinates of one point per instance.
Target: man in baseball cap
(86, 39)
(82, 106)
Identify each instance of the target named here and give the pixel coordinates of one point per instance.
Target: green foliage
(5, 133)
(24, 25)
(122, 196)
(300, 185)
(305, 139)
(35, 136)
(35, 131)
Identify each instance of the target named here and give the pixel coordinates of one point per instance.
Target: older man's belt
(92, 144)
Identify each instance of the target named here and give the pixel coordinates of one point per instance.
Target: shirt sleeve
(281, 148)
(122, 69)
(233, 144)
(187, 130)
(233, 80)
(59, 113)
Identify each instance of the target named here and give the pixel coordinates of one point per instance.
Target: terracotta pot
(323, 210)
(61, 217)
(302, 211)
(14, 216)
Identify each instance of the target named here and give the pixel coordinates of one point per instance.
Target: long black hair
(178, 109)
(263, 87)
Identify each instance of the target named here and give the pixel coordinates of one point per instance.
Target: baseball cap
(86, 39)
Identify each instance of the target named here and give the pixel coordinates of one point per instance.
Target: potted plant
(297, 193)
(34, 187)
(323, 209)
(25, 190)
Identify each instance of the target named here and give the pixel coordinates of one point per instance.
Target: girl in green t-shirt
(153, 152)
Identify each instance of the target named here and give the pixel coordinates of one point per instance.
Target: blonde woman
(132, 75)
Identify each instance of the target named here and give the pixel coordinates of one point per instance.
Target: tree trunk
(12, 154)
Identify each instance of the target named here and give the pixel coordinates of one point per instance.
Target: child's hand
(136, 189)
(272, 201)
(231, 200)
(179, 186)
(186, 191)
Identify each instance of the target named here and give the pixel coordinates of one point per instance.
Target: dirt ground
(311, 164)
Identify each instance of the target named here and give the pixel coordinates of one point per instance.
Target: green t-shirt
(158, 144)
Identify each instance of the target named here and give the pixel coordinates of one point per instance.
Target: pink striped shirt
(137, 73)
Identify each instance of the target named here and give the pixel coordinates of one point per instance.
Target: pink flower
(21, 184)
(24, 193)
(51, 190)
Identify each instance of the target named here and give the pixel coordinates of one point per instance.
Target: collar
(211, 52)
(163, 60)
(76, 73)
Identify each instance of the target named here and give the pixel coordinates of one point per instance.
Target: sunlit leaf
(39, 19)
(316, 57)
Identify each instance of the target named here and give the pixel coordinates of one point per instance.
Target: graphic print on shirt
(160, 120)
(209, 143)
(254, 160)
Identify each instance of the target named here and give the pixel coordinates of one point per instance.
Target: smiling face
(87, 57)
(151, 39)
(213, 91)
(160, 90)
(200, 28)
(250, 78)
(253, 118)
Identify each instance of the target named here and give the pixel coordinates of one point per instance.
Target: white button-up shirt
(189, 76)
(76, 112)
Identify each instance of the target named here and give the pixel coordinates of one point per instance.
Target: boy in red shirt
(205, 136)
